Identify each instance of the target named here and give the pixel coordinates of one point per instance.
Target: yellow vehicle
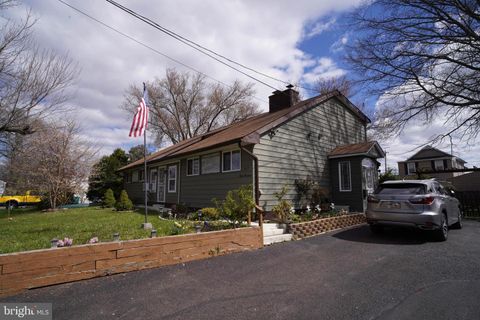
(24, 200)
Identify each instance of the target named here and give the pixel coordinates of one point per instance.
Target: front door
(161, 185)
(369, 179)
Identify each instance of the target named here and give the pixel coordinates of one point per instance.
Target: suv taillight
(372, 199)
(422, 200)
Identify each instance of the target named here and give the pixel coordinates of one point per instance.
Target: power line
(184, 39)
(200, 48)
(180, 37)
(158, 27)
(151, 48)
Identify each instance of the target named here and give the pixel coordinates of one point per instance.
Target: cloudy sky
(295, 41)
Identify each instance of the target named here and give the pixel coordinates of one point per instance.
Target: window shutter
(445, 164)
(433, 165)
(406, 168)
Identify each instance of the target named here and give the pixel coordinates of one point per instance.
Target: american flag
(140, 119)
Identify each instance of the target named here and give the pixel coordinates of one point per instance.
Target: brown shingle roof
(256, 125)
(352, 149)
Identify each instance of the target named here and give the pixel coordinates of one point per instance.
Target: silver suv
(423, 204)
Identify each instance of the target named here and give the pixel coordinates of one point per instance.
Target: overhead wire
(158, 27)
(202, 49)
(151, 48)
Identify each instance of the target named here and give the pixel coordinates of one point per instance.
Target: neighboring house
(294, 140)
(433, 162)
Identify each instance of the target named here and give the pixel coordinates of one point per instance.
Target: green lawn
(30, 229)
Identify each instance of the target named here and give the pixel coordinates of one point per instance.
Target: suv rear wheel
(442, 233)
(458, 224)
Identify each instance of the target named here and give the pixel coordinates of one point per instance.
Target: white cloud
(319, 27)
(339, 45)
(264, 35)
(323, 68)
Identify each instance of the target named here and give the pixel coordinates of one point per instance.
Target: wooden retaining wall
(32, 269)
(311, 228)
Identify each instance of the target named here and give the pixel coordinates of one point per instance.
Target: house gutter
(256, 182)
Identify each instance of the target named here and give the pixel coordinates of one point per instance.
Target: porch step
(273, 233)
(277, 238)
(272, 230)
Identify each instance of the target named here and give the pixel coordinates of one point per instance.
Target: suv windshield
(399, 189)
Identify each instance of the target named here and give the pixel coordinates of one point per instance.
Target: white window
(211, 163)
(345, 177)
(439, 165)
(172, 179)
(231, 161)
(411, 167)
(193, 167)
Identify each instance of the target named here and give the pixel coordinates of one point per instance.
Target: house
(322, 138)
(433, 162)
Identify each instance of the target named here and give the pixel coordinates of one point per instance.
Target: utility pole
(385, 170)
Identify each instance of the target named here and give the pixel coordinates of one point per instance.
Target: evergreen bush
(124, 203)
(109, 199)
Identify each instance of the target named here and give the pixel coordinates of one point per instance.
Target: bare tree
(32, 81)
(423, 58)
(183, 105)
(54, 162)
(326, 85)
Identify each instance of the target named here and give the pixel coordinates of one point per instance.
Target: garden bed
(310, 228)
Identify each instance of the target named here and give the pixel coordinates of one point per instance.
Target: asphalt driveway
(350, 274)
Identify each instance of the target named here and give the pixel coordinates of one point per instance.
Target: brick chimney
(283, 99)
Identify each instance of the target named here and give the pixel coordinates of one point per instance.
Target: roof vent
(283, 99)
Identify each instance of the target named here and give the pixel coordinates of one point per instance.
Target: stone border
(310, 228)
(38, 268)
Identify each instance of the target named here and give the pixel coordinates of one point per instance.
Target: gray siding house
(294, 140)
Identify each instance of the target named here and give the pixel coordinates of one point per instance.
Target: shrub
(237, 204)
(178, 228)
(180, 209)
(124, 203)
(210, 213)
(109, 199)
(283, 209)
(303, 188)
(386, 176)
(319, 195)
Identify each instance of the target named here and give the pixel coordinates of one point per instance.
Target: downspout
(257, 189)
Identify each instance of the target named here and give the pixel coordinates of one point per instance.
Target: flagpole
(145, 225)
(145, 167)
